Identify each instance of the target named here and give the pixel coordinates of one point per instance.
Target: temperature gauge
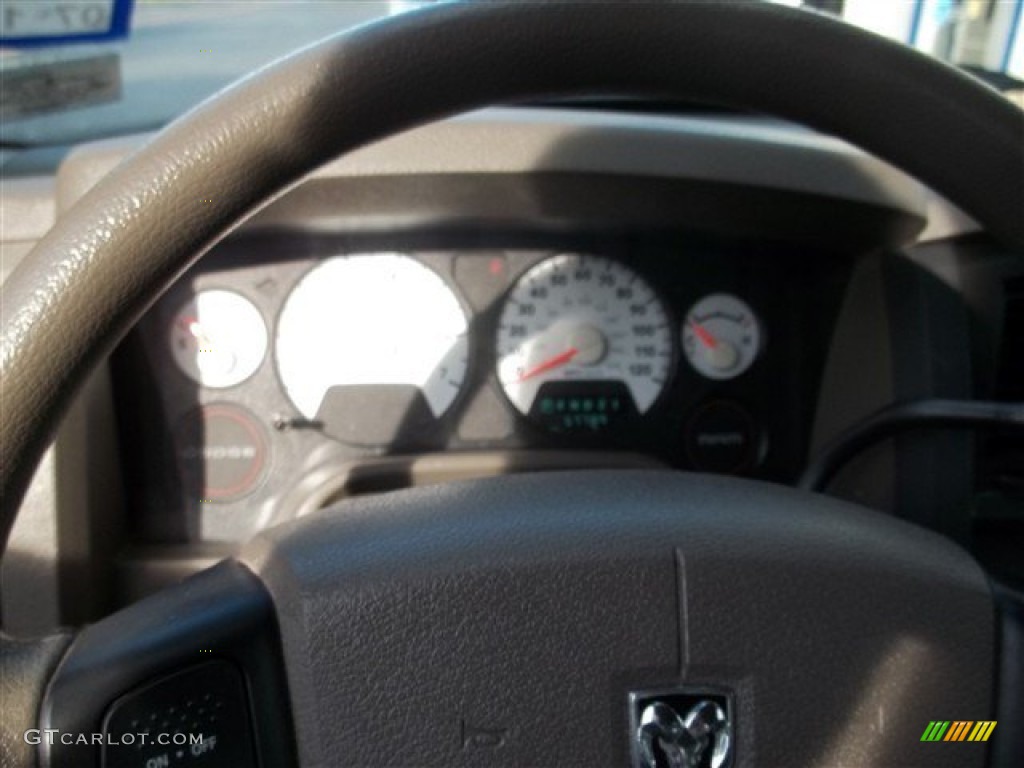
(218, 338)
(721, 336)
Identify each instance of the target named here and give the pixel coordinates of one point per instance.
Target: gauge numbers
(582, 342)
(721, 336)
(218, 338)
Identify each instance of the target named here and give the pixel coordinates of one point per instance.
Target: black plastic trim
(225, 609)
(1008, 737)
(920, 414)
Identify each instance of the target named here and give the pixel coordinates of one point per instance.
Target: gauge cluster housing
(756, 423)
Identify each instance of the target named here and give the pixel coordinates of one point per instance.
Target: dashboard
(289, 370)
(523, 290)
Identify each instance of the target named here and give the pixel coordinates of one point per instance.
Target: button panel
(198, 718)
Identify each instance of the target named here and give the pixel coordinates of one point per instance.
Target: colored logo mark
(958, 730)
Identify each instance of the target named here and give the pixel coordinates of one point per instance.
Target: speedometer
(372, 347)
(583, 342)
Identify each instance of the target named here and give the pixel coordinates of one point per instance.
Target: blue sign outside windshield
(27, 23)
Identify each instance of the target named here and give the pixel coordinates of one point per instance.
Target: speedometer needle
(551, 362)
(705, 337)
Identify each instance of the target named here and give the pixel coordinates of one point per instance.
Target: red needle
(706, 338)
(551, 362)
(191, 324)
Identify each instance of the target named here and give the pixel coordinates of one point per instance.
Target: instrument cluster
(583, 343)
(264, 371)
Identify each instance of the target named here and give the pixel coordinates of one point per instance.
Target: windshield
(175, 54)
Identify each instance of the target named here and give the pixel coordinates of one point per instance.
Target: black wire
(920, 414)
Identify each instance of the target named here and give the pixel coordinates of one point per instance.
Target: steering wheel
(615, 618)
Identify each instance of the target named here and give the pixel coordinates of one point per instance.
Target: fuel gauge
(721, 336)
(218, 338)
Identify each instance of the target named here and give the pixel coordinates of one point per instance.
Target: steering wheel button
(198, 717)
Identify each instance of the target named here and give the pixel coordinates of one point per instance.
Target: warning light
(497, 266)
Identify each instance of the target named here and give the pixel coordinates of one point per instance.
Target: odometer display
(583, 341)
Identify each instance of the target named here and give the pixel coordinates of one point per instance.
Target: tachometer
(583, 341)
(372, 346)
